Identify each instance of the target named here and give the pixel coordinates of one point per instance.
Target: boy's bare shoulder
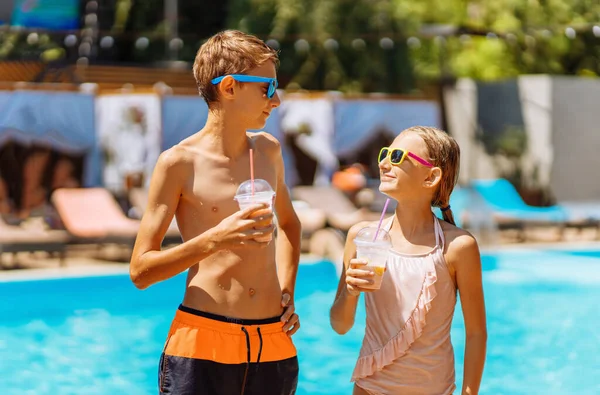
(175, 160)
(266, 142)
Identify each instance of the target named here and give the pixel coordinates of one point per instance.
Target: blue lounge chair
(471, 212)
(504, 199)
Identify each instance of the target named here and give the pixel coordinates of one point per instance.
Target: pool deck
(112, 260)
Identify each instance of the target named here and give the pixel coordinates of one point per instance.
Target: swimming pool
(100, 335)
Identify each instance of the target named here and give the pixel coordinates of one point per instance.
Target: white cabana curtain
(128, 127)
(315, 115)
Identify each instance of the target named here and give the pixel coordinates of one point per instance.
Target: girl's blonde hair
(444, 153)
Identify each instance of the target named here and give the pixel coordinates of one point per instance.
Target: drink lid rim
(248, 195)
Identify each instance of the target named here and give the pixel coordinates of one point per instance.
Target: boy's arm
(288, 238)
(149, 264)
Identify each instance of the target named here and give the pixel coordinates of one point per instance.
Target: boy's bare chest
(215, 186)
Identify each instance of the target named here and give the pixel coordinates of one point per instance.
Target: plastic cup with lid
(373, 246)
(261, 192)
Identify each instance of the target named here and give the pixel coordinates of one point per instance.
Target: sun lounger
(92, 216)
(583, 214)
(471, 212)
(504, 199)
(506, 202)
(340, 212)
(14, 239)
(311, 219)
(582, 210)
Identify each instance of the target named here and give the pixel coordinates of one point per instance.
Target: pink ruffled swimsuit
(407, 348)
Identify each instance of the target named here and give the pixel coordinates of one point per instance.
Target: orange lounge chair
(340, 211)
(92, 216)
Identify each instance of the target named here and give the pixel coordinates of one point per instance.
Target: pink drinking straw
(387, 201)
(252, 170)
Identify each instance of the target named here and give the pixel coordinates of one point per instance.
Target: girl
(406, 348)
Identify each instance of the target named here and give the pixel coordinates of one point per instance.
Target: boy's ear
(227, 87)
(434, 178)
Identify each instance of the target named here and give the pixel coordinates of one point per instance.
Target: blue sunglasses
(251, 78)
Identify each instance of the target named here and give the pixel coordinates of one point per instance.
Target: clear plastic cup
(374, 251)
(263, 193)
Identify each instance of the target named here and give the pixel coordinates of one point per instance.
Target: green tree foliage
(347, 45)
(487, 40)
(371, 45)
(533, 36)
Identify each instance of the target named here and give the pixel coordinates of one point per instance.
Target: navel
(215, 209)
(251, 291)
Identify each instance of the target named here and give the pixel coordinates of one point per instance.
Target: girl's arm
(463, 252)
(343, 311)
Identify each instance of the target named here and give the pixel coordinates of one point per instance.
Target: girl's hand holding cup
(358, 277)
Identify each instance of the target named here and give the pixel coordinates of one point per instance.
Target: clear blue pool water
(100, 335)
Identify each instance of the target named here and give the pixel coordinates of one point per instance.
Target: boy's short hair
(228, 52)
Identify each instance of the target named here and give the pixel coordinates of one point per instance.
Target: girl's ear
(434, 178)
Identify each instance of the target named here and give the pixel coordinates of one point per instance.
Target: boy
(231, 334)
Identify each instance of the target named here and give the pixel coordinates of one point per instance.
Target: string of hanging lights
(439, 33)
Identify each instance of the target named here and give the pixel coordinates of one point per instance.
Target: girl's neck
(412, 218)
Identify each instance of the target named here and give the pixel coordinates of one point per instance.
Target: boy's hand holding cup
(257, 192)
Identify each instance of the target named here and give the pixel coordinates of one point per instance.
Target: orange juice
(373, 246)
(377, 277)
(259, 213)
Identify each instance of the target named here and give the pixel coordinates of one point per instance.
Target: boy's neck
(227, 136)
